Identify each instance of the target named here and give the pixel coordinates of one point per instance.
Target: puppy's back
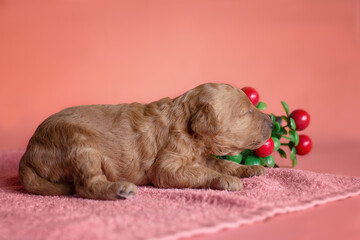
(127, 136)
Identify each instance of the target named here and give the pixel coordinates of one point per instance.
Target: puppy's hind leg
(91, 182)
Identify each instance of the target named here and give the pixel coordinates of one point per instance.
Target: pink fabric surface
(159, 213)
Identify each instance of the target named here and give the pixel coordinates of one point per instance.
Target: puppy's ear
(205, 122)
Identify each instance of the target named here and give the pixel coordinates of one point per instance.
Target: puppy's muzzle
(267, 127)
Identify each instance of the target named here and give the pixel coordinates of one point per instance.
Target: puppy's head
(224, 116)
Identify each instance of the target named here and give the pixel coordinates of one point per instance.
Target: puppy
(104, 151)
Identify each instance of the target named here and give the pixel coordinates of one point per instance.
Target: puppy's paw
(123, 190)
(250, 171)
(225, 182)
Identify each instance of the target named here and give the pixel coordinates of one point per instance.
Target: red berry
(252, 94)
(301, 118)
(266, 149)
(304, 146)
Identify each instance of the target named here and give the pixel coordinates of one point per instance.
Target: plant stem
(287, 138)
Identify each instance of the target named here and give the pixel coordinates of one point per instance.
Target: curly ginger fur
(105, 151)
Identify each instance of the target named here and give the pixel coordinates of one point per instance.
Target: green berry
(215, 156)
(269, 161)
(277, 143)
(236, 158)
(253, 160)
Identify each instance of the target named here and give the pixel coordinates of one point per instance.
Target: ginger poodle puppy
(104, 151)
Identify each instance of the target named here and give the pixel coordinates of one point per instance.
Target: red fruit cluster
(298, 120)
(302, 121)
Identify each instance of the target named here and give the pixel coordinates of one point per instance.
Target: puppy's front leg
(175, 172)
(234, 169)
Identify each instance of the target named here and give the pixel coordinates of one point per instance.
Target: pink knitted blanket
(158, 213)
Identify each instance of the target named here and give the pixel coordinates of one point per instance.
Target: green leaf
(277, 143)
(276, 135)
(253, 160)
(276, 127)
(294, 137)
(282, 153)
(293, 157)
(292, 124)
(288, 138)
(297, 139)
(293, 153)
(261, 106)
(279, 120)
(286, 107)
(272, 116)
(283, 131)
(291, 136)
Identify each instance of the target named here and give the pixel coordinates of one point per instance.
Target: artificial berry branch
(297, 120)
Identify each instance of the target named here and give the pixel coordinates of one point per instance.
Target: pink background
(57, 54)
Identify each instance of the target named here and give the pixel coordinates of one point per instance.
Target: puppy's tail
(33, 183)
